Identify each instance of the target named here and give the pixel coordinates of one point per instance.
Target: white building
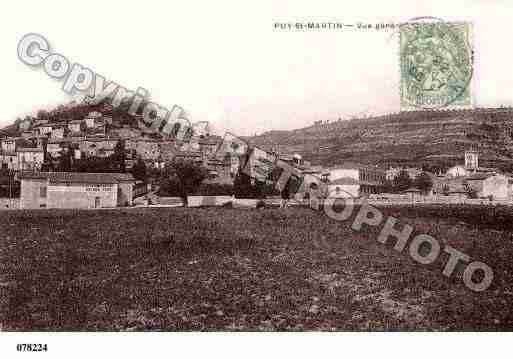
(8, 160)
(75, 190)
(54, 149)
(496, 186)
(393, 172)
(43, 129)
(344, 187)
(75, 126)
(470, 167)
(58, 132)
(30, 159)
(91, 119)
(9, 144)
(358, 179)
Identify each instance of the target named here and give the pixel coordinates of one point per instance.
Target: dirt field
(229, 269)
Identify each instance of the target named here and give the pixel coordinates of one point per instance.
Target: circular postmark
(436, 64)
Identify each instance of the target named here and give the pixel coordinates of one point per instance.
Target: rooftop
(7, 153)
(412, 190)
(344, 181)
(79, 177)
(29, 149)
(479, 176)
(94, 114)
(352, 165)
(189, 154)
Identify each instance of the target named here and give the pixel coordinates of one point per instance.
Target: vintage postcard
(184, 168)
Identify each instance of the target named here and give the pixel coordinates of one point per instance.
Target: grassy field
(228, 269)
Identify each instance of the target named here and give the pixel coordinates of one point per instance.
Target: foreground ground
(228, 269)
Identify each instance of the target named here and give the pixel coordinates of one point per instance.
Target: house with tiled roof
(43, 129)
(92, 118)
(75, 126)
(8, 160)
(75, 190)
(98, 146)
(30, 158)
(190, 156)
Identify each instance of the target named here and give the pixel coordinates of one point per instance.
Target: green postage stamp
(436, 60)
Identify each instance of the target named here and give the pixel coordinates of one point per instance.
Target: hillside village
(39, 143)
(94, 138)
(434, 155)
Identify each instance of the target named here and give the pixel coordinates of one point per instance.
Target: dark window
(42, 191)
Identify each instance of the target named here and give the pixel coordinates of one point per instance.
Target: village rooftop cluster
(101, 133)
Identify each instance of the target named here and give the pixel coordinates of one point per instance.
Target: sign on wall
(81, 188)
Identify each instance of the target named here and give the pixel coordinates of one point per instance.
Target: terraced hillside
(430, 138)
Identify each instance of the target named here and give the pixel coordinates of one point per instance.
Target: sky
(226, 63)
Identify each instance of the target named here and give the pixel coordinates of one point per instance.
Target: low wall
(197, 201)
(438, 200)
(168, 201)
(245, 203)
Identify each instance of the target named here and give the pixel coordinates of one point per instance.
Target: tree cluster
(403, 181)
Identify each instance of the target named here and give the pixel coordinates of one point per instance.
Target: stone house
(75, 126)
(344, 187)
(55, 146)
(98, 147)
(92, 118)
(58, 132)
(27, 134)
(192, 156)
(167, 150)
(370, 179)
(43, 129)
(393, 172)
(127, 132)
(10, 144)
(30, 158)
(9, 160)
(148, 149)
(496, 186)
(208, 145)
(75, 190)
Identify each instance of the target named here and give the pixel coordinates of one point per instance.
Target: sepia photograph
(256, 178)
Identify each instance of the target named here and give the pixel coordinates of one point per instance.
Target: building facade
(30, 158)
(8, 160)
(75, 190)
(393, 172)
(362, 179)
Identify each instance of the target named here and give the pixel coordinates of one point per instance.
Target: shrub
(181, 178)
(243, 188)
(214, 189)
(169, 187)
(228, 205)
(261, 204)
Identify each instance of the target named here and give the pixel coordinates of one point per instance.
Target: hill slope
(436, 139)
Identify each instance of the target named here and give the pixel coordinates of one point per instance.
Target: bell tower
(471, 159)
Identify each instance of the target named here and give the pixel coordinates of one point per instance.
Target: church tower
(471, 160)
